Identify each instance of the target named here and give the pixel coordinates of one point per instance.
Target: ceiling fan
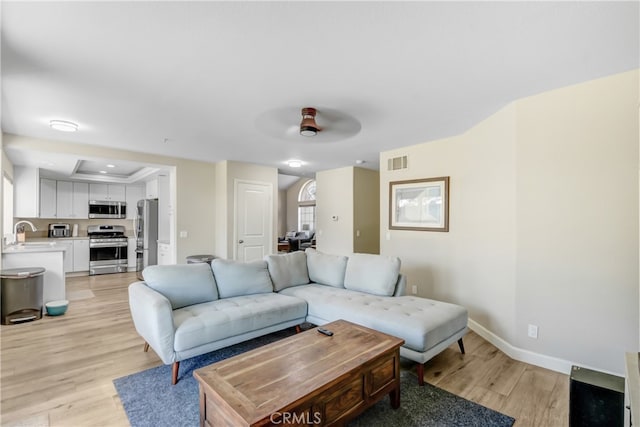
(317, 124)
(308, 126)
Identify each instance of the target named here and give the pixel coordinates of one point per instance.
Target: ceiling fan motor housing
(308, 126)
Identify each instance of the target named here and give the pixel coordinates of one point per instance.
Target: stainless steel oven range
(107, 249)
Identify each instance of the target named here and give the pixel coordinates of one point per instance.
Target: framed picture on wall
(419, 204)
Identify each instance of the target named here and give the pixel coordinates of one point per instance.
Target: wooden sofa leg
(298, 329)
(146, 347)
(174, 373)
(461, 345)
(420, 372)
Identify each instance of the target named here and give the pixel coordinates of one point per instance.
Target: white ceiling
(198, 79)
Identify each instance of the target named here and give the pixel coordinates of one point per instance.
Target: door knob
(240, 241)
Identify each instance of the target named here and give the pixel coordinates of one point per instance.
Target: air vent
(397, 163)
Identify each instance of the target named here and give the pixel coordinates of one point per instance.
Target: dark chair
(301, 241)
(306, 243)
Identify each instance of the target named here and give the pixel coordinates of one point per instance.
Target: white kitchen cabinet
(107, 192)
(72, 200)
(64, 199)
(26, 192)
(134, 193)
(131, 253)
(81, 255)
(80, 200)
(48, 208)
(164, 253)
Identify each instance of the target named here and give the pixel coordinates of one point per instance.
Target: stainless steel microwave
(107, 209)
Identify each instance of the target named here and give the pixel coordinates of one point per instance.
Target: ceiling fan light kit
(308, 126)
(63, 125)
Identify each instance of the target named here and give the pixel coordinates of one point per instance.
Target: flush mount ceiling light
(63, 125)
(308, 126)
(295, 163)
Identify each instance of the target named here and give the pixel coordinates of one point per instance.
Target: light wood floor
(58, 371)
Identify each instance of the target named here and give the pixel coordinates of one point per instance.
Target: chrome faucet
(15, 229)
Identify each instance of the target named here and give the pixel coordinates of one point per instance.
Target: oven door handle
(108, 245)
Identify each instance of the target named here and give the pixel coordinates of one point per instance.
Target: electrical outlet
(388, 236)
(184, 234)
(414, 289)
(533, 331)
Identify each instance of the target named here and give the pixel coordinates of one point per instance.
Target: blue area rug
(149, 399)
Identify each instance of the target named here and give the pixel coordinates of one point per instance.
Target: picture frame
(419, 204)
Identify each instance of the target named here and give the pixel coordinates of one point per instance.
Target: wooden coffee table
(305, 379)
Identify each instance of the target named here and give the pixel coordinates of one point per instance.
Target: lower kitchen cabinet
(81, 255)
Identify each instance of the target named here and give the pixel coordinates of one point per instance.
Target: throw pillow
(373, 274)
(326, 269)
(241, 278)
(287, 270)
(182, 284)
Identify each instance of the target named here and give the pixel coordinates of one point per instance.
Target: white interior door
(254, 218)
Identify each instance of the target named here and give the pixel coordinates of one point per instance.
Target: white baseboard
(537, 359)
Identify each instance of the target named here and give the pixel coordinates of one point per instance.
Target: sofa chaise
(183, 311)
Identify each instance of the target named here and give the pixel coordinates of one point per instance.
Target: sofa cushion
(326, 269)
(182, 284)
(206, 323)
(241, 278)
(288, 269)
(373, 274)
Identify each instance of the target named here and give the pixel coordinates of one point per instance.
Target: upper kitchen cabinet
(48, 198)
(134, 193)
(72, 200)
(26, 192)
(108, 192)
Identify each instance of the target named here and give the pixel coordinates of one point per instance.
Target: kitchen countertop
(33, 247)
(56, 239)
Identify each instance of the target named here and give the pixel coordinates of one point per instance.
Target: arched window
(307, 207)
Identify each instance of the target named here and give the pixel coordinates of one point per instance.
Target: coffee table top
(265, 380)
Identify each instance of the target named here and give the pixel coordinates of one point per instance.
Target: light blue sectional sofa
(186, 310)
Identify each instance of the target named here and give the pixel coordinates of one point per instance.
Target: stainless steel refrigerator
(146, 229)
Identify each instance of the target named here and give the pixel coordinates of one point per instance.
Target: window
(307, 207)
(7, 205)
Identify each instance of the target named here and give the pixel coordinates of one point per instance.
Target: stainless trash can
(197, 259)
(21, 292)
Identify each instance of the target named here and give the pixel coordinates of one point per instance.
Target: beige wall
(334, 198)
(222, 218)
(577, 221)
(249, 172)
(348, 202)
(195, 189)
(282, 213)
(473, 263)
(366, 211)
(543, 223)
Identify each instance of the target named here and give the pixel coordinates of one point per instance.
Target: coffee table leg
(394, 396)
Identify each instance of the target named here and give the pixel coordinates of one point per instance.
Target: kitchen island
(50, 256)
